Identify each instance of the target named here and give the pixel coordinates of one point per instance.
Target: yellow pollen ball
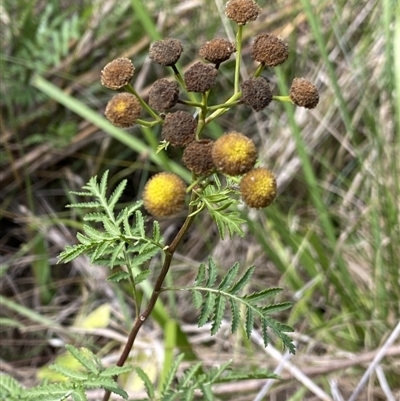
(234, 154)
(258, 188)
(164, 195)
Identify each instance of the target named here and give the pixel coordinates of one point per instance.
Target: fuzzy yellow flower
(258, 188)
(164, 195)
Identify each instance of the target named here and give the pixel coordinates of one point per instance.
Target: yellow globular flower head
(164, 195)
(242, 11)
(234, 154)
(258, 188)
(117, 73)
(304, 94)
(123, 110)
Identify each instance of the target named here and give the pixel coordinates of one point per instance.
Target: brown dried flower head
(123, 110)
(242, 11)
(197, 157)
(256, 93)
(304, 94)
(258, 188)
(268, 49)
(200, 77)
(117, 73)
(179, 128)
(217, 50)
(234, 154)
(163, 95)
(164, 195)
(166, 51)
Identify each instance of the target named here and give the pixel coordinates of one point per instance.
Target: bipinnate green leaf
(197, 299)
(207, 392)
(116, 195)
(117, 254)
(140, 223)
(212, 273)
(189, 375)
(249, 322)
(85, 205)
(258, 296)
(245, 279)
(8, 385)
(107, 384)
(142, 276)
(85, 357)
(218, 313)
(156, 231)
(235, 312)
(172, 373)
(111, 228)
(218, 200)
(110, 240)
(71, 253)
(147, 383)
(96, 217)
(103, 184)
(73, 374)
(201, 275)
(118, 276)
(79, 395)
(207, 308)
(214, 297)
(229, 277)
(115, 371)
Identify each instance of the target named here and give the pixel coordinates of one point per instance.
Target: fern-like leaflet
(218, 200)
(110, 238)
(91, 374)
(212, 300)
(195, 378)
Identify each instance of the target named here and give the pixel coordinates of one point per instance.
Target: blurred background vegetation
(331, 239)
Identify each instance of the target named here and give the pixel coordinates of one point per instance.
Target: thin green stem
(223, 105)
(181, 82)
(259, 70)
(132, 90)
(238, 57)
(189, 103)
(283, 98)
(235, 97)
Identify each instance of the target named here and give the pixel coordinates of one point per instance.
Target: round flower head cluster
(234, 154)
(163, 95)
(164, 195)
(256, 93)
(242, 11)
(217, 50)
(258, 188)
(304, 94)
(117, 73)
(123, 110)
(197, 157)
(200, 77)
(166, 52)
(268, 49)
(179, 128)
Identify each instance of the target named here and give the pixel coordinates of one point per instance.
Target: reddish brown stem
(169, 251)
